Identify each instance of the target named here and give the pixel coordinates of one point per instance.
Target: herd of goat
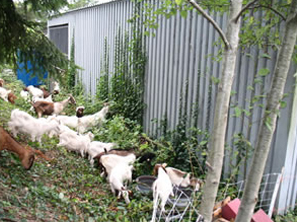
(73, 133)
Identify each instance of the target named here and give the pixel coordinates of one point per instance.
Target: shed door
(59, 36)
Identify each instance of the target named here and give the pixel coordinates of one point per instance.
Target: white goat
(70, 121)
(74, 142)
(120, 173)
(47, 99)
(35, 92)
(109, 161)
(4, 93)
(86, 122)
(62, 128)
(162, 188)
(25, 95)
(183, 179)
(23, 122)
(55, 87)
(97, 147)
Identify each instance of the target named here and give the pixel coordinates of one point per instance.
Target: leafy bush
(291, 216)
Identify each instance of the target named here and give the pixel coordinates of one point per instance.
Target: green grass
(65, 188)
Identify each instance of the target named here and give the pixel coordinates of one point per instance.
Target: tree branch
(272, 9)
(215, 25)
(244, 8)
(258, 6)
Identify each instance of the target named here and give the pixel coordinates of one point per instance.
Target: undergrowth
(65, 188)
(68, 189)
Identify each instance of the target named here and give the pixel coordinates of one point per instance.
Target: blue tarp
(25, 75)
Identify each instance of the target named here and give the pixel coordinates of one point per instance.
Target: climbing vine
(125, 87)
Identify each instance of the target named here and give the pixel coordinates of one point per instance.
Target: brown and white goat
(45, 92)
(49, 108)
(8, 143)
(183, 179)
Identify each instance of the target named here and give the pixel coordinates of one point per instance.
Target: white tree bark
(250, 195)
(217, 138)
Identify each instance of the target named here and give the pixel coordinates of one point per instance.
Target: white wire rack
(182, 207)
(267, 194)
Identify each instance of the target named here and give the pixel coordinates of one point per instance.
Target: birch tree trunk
(250, 195)
(217, 139)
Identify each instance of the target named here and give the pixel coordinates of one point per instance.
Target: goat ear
(105, 150)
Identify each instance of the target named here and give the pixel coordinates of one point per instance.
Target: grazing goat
(45, 92)
(47, 99)
(86, 122)
(74, 142)
(4, 93)
(70, 121)
(2, 82)
(8, 143)
(80, 111)
(21, 121)
(34, 91)
(120, 152)
(109, 161)
(183, 179)
(162, 188)
(55, 87)
(120, 173)
(25, 95)
(97, 147)
(49, 108)
(11, 98)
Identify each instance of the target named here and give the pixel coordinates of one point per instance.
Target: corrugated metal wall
(182, 53)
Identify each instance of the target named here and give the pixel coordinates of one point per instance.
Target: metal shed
(181, 54)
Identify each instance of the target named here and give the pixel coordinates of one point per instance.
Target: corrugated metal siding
(180, 52)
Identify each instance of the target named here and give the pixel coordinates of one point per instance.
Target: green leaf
(257, 80)
(264, 55)
(203, 142)
(184, 13)
(237, 111)
(250, 88)
(263, 72)
(215, 80)
(246, 112)
(283, 104)
(233, 93)
(178, 2)
(268, 124)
